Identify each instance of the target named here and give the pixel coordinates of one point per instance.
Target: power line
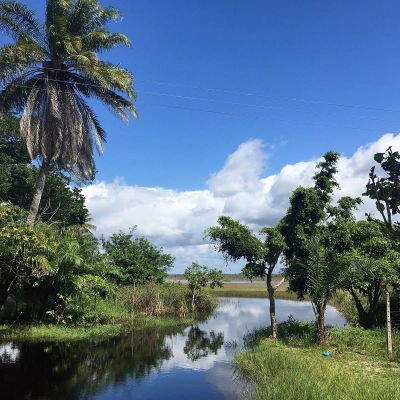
(233, 103)
(250, 115)
(268, 97)
(265, 107)
(266, 118)
(246, 94)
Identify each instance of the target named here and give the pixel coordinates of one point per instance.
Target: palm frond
(18, 21)
(49, 75)
(115, 102)
(15, 94)
(87, 16)
(101, 40)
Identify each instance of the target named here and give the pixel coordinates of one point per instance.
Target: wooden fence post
(388, 327)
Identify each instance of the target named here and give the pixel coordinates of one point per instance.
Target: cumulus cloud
(241, 171)
(176, 220)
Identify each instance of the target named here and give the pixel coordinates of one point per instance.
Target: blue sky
(237, 100)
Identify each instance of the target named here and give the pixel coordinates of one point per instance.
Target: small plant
(199, 276)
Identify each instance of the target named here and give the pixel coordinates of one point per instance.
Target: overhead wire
(267, 118)
(269, 97)
(232, 103)
(240, 104)
(265, 107)
(253, 94)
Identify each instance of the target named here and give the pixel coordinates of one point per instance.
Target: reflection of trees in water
(70, 370)
(200, 344)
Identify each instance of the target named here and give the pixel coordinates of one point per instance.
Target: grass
(256, 290)
(61, 333)
(294, 368)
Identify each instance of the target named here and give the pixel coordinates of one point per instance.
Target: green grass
(294, 368)
(94, 332)
(255, 290)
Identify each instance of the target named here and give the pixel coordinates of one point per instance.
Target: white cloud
(241, 171)
(176, 220)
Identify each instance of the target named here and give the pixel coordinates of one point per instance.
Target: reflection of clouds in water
(180, 359)
(221, 376)
(235, 318)
(9, 353)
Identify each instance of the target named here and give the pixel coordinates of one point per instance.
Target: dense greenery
(138, 260)
(386, 190)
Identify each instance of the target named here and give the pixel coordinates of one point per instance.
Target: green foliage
(199, 276)
(234, 240)
(137, 260)
(302, 219)
(25, 251)
(386, 190)
(369, 265)
(48, 272)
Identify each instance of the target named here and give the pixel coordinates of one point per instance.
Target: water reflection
(148, 365)
(201, 344)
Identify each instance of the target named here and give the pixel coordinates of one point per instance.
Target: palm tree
(48, 74)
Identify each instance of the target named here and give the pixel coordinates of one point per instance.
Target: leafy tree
(304, 218)
(18, 176)
(368, 266)
(236, 241)
(49, 72)
(386, 191)
(311, 216)
(137, 260)
(79, 276)
(199, 276)
(24, 251)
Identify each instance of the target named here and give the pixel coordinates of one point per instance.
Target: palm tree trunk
(322, 335)
(37, 196)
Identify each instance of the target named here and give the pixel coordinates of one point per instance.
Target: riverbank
(62, 333)
(150, 306)
(294, 368)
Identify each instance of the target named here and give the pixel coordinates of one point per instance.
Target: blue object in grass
(325, 353)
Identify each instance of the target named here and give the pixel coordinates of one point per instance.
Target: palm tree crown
(50, 71)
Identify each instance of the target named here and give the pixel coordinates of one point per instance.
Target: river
(194, 363)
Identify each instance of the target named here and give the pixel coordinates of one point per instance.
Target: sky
(237, 102)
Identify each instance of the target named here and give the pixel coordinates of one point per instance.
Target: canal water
(193, 363)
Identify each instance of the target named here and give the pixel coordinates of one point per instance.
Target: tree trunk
(322, 335)
(193, 300)
(271, 295)
(366, 319)
(5, 287)
(37, 196)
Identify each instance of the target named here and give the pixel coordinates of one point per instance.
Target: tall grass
(293, 368)
(148, 305)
